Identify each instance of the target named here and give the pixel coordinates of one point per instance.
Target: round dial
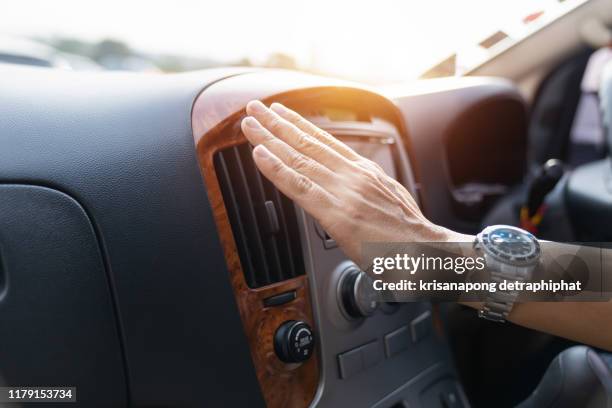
(294, 341)
(357, 296)
(510, 244)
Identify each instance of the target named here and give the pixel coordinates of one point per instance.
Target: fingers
(296, 138)
(298, 187)
(258, 135)
(313, 130)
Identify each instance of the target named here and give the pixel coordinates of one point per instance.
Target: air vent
(263, 220)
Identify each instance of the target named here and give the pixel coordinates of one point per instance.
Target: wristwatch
(511, 254)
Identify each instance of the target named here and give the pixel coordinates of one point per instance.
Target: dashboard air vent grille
(263, 220)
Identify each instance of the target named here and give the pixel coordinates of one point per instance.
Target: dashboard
(195, 281)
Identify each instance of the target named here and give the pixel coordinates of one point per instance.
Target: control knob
(294, 341)
(357, 294)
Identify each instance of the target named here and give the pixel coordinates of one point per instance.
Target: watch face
(510, 244)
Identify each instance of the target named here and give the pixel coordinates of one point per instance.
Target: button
(421, 326)
(350, 363)
(371, 353)
(328, 242)
(397, 341)
(360, 358)
(279, 299)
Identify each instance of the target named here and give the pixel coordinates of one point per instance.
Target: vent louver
(263, 220)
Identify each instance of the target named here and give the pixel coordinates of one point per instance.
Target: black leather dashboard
(121, 147)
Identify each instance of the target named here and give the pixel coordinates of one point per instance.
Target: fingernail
(261, 151)
(278, 108)
(251, 122)
(256, 106)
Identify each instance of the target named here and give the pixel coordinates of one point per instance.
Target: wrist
(446, 235)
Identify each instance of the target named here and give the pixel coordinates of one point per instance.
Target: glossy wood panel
(215, 124)
(220, 101)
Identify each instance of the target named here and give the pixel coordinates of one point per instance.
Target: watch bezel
(484, 242)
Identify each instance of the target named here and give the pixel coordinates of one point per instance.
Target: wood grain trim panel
(223, 99)
(282, 385)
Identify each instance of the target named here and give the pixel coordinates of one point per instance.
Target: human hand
(350, 196)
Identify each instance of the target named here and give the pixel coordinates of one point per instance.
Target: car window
(378, 42)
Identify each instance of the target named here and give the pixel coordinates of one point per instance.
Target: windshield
(378, 42)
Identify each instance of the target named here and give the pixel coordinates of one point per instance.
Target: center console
(316, 334)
